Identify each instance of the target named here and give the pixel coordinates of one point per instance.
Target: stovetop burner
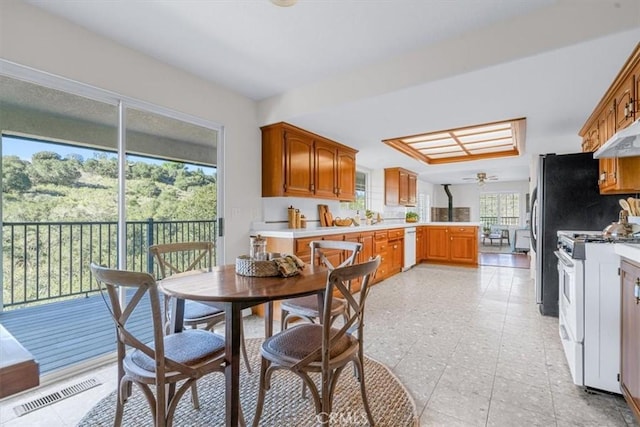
(573, 242)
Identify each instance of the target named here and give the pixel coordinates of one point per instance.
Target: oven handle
(564, 259)
(563, 333)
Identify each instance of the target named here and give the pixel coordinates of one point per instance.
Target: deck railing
(488, 221)
(50, 260)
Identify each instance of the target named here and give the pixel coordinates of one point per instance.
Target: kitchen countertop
(322, 231)
(628, 250)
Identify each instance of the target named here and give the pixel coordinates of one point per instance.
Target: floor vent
(57, 396)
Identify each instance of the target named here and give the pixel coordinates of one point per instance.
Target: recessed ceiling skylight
(486, 141)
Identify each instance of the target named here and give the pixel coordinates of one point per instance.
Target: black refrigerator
(566, 197)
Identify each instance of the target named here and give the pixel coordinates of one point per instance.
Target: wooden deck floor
(61, 334)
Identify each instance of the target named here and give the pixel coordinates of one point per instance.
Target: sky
(25, 148)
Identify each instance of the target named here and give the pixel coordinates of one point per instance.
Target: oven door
(571, 294)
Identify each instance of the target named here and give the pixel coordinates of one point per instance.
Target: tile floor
(468, 344)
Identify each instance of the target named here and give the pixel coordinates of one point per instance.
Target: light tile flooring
(469, 345)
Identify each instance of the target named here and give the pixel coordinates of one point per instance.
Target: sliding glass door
(78, 165)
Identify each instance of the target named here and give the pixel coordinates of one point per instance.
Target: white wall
(34, 38)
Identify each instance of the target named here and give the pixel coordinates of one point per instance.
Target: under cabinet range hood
(625, 143)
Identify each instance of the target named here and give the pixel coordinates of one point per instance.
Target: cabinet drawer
(380, 235)
(396, 233)
(463, 230)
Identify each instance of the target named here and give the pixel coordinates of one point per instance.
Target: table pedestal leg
(232, 369)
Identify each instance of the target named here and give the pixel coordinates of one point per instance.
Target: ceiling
(360, 71)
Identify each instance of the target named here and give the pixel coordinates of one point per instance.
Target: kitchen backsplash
(274, 212)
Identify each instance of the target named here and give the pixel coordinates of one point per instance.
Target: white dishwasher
(409, 248)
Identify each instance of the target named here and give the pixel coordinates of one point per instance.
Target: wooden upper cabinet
(346, 175)
(413, 190)
(624, 103)
(400, 187)
(618, 109)
(298, 163)
(326, 170)
(636, 86)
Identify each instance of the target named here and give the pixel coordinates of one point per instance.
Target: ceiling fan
(481, 178)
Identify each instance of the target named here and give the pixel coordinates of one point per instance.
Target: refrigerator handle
(533, 219)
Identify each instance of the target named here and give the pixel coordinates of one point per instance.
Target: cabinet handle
(636, 290)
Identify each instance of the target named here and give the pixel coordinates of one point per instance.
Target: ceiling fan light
(284, 3)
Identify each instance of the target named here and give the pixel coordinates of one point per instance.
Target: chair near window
(182, 357)
(306, 308)
(504, 235)
(310, 347)
(175, 258)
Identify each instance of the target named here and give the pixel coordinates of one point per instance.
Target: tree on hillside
(14, 175)
(48, 167)
(199, 204)
(103, 164)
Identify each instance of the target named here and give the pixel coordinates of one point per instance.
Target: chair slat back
(173, 258)
(320, 247)
(338, 280)
(144, 284)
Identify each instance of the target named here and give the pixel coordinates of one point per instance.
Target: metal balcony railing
(50, 260)
(488, 221)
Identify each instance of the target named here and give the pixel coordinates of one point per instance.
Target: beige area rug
(390, 402)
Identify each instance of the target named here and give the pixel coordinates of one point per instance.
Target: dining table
(225, 288)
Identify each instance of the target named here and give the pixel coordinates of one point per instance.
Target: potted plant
(411, 217)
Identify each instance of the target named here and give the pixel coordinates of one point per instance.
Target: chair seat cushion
(189, 347)
(308, 306)
(197, 310)
(299, 341)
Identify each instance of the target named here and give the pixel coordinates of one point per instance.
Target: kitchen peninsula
(441, 242)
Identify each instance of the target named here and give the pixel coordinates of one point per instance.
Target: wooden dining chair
(311, 347)
(168, 359)
(306, 308)
(175, 258)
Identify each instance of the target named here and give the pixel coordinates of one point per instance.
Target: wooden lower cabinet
(437, 244)
(421, 233)
(380, 247)
(395, 250)
(630, 335)
(452, 244)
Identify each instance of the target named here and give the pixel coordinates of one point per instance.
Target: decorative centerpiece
(247, 266)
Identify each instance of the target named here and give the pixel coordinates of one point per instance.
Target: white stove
(589, 308)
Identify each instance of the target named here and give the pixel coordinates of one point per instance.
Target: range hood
(625, 143)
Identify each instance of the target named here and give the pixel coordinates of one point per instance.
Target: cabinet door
(403, 191)
(437, 245)
(636, 97)
(298, 163)
(391, 187)
(608, 167)
(325, 170)
(412, 198)
(396, 249)
(346, 190)
(463, 245)
(624, 104)
(420, 244)
(591, 140)
(630, 337)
